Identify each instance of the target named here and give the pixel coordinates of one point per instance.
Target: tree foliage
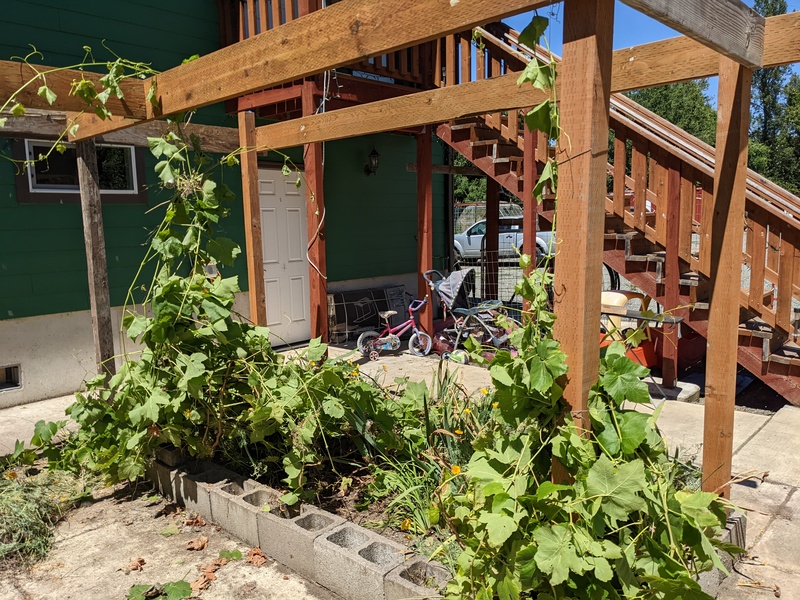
(684, 104)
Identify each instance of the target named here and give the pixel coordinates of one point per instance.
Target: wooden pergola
(722, 37)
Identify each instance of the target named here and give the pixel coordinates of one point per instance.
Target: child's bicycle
(371, 343)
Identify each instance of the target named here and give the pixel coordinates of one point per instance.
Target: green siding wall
(42, 257)
(372, 221)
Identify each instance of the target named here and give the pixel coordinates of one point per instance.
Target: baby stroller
(463, 318)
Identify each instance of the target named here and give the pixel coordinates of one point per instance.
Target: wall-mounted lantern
(374, 160)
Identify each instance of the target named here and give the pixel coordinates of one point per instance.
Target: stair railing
(639, 193)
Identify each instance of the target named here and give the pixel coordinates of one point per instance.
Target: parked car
(469, 243)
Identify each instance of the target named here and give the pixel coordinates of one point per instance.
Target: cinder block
(163, 478)
(290, 539)
(735, 532)
(233, 509)
(170, 456)
(417, 578)
(353, 562)
(194, 483)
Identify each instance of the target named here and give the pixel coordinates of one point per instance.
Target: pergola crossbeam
(682, 58)
(728, 26)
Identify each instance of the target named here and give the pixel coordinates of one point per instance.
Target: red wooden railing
(242, 19)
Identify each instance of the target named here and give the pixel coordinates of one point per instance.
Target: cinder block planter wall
(347, 559)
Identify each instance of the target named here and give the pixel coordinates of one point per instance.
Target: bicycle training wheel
(366, 343)
(420, 344)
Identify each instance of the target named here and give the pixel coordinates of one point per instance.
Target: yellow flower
(354, 373)
(384, 367)
(458, 432)
(312, 363)
(455, 470)
(467, 411)
(405, 525)
(484, 391)
(495, 404)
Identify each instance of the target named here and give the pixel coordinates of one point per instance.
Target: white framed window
(59, 172)
(54, 179)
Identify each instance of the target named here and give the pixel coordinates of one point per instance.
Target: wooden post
(669, 366)
(583, 153)
(491, 258)
(315, 214)
(97, 267)
(529, 209)
(252, 219)
(424, 222)
(730, 180)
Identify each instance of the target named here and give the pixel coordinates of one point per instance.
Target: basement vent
(9, 378)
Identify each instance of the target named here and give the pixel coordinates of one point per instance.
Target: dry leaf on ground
(196, 520)
(256, 557)
(197, 543)
(202, 582)
(214, 565)
(136, 564)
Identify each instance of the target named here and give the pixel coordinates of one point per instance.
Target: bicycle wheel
(366, 342)
(420, 344)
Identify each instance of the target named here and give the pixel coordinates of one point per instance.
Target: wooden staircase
(659, 204)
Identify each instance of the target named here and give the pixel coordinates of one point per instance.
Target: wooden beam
(448, 170)
(643, 66)
(431, 106)
(315, 223)
(683, 59)
(361, 90)
(491, 259)
(90, 125)
(252, 220)
(729, 27)
(672, 291)
(267, 97)
(529, 208)
(14, 75)
(583, 152)
(50, 125)
(344, 33)
(425, 224)
(97, 266)
(730, 181)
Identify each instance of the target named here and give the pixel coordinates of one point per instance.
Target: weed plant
(30, 508)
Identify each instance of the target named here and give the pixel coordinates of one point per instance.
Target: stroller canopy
(455, 289)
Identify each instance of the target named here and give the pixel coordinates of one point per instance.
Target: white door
(284, 242)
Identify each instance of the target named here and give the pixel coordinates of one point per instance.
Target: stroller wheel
(374, 355)
(458, 356)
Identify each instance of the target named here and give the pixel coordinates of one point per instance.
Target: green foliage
(684, 104)
(175, 590)
(619, 524)
(468, 189)
(211, 384)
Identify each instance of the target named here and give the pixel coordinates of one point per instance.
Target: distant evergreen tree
(683, 104)
(767, 88)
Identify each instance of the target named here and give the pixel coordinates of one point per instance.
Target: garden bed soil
(97, 544)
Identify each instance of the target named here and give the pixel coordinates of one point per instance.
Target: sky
(631, 28)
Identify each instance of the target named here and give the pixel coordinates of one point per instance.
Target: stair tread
(755, 327)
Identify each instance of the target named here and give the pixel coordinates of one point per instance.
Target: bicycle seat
(386, 314)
